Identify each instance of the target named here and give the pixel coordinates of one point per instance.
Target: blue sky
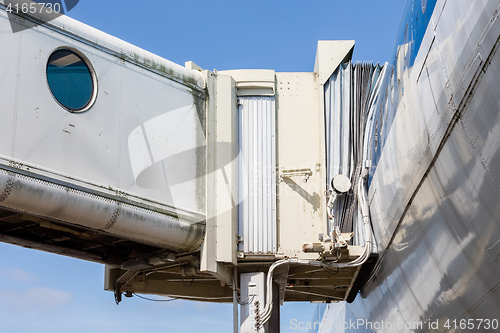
(41, 292)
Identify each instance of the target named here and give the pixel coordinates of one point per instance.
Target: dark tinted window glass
(69, 79)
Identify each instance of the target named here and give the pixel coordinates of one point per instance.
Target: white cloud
(18, 275)
(34, 299)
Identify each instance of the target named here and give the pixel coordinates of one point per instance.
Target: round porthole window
(71, 80)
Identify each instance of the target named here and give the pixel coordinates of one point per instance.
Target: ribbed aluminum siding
(257, 175)
(349, 95)
(338, 125)
(338, 121)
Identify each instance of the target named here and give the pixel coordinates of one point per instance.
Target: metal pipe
(235, 301)
(52, 200)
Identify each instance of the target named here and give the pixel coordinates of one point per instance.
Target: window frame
(93, 76)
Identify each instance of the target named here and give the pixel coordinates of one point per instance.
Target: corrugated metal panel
(338, 120)
(257, 175)
(338, 104)
(348, 96)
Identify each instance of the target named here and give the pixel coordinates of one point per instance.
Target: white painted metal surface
(300, 135)
(329, 55)
(257, 174)
(253, 292)
(253, 82)
(220, 244)
(141, 143)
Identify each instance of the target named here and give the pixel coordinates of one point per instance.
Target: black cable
(184, 283)
(155, 300)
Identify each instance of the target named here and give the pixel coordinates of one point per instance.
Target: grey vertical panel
(257, 175)
(337, 108)
(348, 97)
(274, 233)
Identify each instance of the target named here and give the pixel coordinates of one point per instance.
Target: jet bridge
(185, 182)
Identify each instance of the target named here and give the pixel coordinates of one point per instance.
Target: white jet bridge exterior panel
(142, 143)
(257, 174)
